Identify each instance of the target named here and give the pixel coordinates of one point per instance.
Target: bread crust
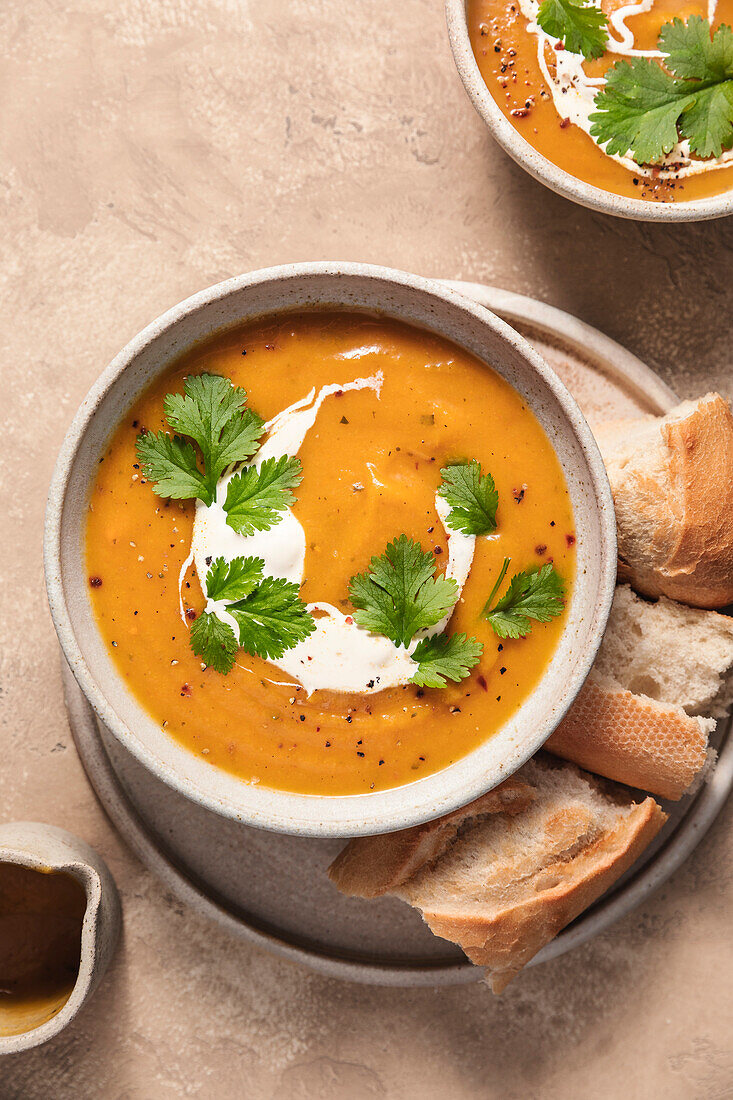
(674, 504)
(505, 943)
(632, 739)
(372, 865)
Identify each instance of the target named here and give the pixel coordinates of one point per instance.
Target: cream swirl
(339, 655)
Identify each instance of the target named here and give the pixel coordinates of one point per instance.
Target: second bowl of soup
(621, 107)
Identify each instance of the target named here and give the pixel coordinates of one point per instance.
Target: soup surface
(371, 464)
(550, 108)
(41, 918)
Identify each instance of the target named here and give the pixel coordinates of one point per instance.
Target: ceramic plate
(272, 889)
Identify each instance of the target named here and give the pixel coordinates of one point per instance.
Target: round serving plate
(271, 888)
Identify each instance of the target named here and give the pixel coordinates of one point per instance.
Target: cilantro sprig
(235, 579)
(578, 24)
(272, 618)
(170, 462)
(213, 413)
(399, 594)
(645, 109)
(535, 594)
(256, 495)
(269, 614)
(445, 657)
(472, 496)
(214, 642)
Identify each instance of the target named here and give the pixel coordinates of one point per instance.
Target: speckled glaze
(417, 301)
(560, 181)
(46, 848)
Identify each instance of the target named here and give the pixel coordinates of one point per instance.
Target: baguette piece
(633, 739)
(637, 717)
(670, 652)
(672, 484)
(507, 883)
(372, 865)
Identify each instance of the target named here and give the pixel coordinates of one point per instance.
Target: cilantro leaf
(272, 618)
(472, 496)
(256, 495)
(267, 610)
(170, 462)
(214, 642)
(580, 26)
(232, 580)
(445, 657)
(692, 54)
(400, 593)
(212, 412)
(708, 123)
(638, 110)
(646, 109)
(537, 594)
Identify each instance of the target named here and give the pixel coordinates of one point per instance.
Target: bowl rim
(370, 812)
(545, 171)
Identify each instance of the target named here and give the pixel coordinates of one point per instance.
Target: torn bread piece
(672, 484)
(669, 652)
(373, 865)
(632, 739)
(506, 883)
(637, 718)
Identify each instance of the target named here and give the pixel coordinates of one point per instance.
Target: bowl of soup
(560, 92)
(330, 549)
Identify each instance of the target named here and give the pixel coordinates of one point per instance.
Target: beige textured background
(149, 148)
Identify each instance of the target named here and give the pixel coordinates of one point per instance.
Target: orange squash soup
(400, 472)
(548, 92)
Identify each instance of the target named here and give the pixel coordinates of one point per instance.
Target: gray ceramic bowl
(314, 286)
(46, 848)
(557, 179)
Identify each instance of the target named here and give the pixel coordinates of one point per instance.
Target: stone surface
(147, 150)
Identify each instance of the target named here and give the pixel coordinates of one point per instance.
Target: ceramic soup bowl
(350, 287)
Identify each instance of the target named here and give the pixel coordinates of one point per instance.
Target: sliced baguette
(506, 883)
(372, 865)
(636, 719)
(672, 483)
(633, 739)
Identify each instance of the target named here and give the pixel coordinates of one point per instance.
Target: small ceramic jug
(47, 849)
